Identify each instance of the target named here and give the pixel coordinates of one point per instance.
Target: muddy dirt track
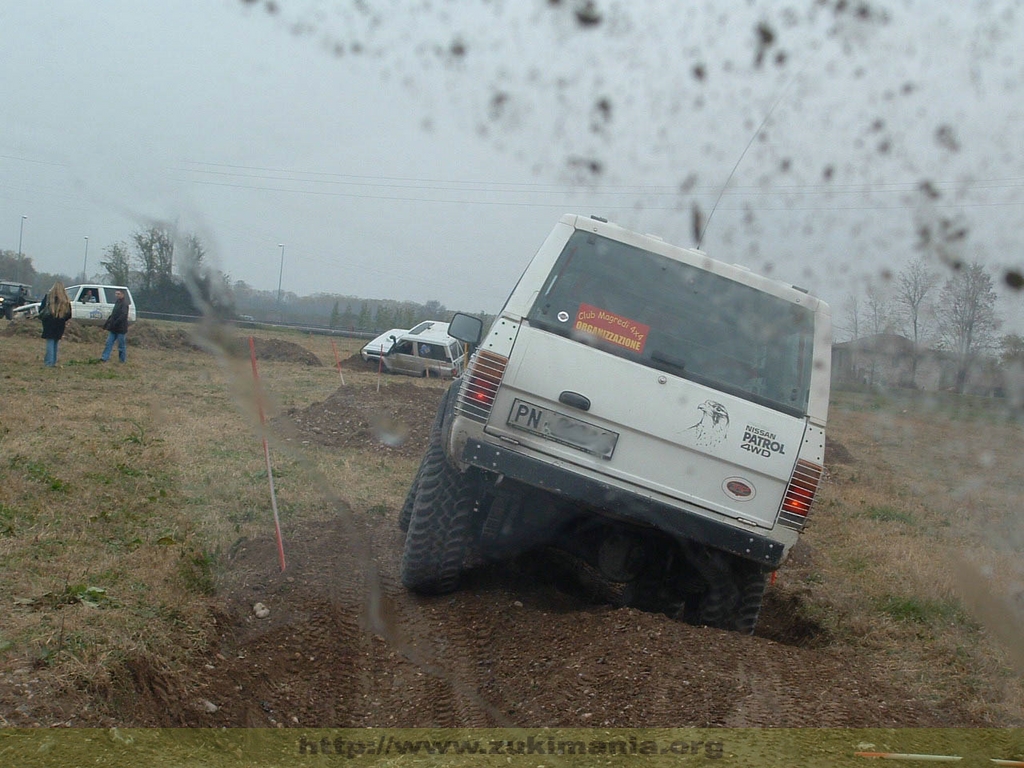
(345, 645)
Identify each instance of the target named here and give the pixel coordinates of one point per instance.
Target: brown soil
(345, 645)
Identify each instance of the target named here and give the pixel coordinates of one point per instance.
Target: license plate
(562, 429)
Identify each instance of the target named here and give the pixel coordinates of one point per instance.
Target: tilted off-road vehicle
(648, 412)
(12, 296)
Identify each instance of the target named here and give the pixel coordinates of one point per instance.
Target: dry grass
(914, 533)
(124, 485)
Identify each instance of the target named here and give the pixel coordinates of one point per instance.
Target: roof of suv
(436, 334)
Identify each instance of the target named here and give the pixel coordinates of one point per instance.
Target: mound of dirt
(395, 421)
(275, 351)
(149, 335)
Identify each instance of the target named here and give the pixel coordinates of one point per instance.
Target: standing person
(54, 311)
(117, 326)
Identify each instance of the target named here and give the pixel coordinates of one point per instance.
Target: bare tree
(154, 248)
(966, 315)
(878, 307)
(913, 285)
(852, 316)
(118, 263)
(877, 319)
(192, 265)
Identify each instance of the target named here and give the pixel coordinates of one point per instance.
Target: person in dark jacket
(54, 310)
(117, 326)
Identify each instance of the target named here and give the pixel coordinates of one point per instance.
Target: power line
(865, 188)
(535, 204)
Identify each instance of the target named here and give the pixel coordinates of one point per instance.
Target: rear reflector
(481, 381)
(803, 486)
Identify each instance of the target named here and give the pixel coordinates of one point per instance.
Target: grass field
(124, 486)
(920, 540)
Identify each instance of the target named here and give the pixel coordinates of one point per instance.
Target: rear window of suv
(10, 290)
(680, 319)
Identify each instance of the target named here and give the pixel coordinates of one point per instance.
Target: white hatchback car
(91, 304)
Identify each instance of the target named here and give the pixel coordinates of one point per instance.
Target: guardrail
(316, 329)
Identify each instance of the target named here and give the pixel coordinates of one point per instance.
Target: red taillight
(481, 384)
(803, 485)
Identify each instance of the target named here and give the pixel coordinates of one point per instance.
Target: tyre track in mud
(515, 647)
(342, 647)
(429, 660)
(304, 662)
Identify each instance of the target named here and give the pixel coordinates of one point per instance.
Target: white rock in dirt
(261, 611)
(209, 706)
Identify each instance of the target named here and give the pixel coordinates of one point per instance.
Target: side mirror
(466, 328)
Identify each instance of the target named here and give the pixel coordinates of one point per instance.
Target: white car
(427, 352)
(374, 349)
(91, 304)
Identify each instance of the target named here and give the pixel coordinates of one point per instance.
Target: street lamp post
(280, 274)
(21, 231)
(85, 264)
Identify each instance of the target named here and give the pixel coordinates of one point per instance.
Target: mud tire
(441, 527)
(433, 446)
(405, 514)
(733, 602)
(751, 582)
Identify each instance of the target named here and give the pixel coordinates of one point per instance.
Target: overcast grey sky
(423, 150)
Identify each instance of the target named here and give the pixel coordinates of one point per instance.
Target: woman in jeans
(54, 310)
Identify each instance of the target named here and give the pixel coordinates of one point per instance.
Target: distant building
(891, 361)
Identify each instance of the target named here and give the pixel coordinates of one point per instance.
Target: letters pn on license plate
(562, 429)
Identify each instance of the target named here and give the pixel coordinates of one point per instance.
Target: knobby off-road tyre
(733, 602)
(433, 444)
(405, 514)
(751, 582)
(441, 528)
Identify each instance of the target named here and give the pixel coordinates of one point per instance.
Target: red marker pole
(337, 361)
(266, 452)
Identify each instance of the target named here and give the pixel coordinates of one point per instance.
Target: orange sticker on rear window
(615, 329)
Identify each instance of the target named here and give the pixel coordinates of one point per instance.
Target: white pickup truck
(91, 304)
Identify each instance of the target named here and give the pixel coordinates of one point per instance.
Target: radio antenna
(757, 133)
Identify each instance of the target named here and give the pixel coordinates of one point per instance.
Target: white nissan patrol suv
(654, 414)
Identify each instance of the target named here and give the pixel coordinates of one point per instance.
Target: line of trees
(957, 315)
(338, 312)
(166, 272)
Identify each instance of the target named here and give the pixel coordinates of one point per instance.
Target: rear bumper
(624, 504)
